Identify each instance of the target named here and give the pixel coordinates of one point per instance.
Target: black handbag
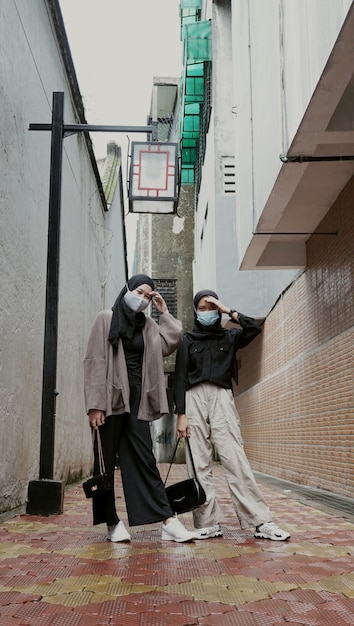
(188, 494)
(100, 483)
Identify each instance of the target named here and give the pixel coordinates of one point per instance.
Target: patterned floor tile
(61, 571)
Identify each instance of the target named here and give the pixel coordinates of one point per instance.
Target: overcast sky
(118, 46)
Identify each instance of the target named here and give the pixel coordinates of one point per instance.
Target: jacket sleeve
(170, 331)
(250, 330)
(180, 378)
(95, 366)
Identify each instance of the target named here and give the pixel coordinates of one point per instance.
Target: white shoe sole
(264, 536)
(124, 539)
(217, 533)
(166, 537)
(119, 535)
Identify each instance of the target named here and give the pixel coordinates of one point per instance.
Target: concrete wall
(165, 250)
(295, 395)
(205, 222)
(279, 52)
(217, 254)
(31, 68)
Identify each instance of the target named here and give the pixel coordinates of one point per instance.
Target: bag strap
(100, 452)
(174, 454)
(191, 457)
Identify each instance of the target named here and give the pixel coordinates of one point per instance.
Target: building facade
(268, 144)
(34, 64)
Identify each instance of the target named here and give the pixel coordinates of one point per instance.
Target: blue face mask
(207, 318)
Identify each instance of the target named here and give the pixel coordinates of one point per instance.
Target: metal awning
(304, 192)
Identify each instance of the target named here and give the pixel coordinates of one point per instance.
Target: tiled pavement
(60, 571)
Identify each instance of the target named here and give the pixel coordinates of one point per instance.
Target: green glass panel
(187, 176)
(198, 49)
(188, 19)
(191, 124)
(200, 30)
(195, 69)
(191, 136)
(188, 143)
(199, 86)
(187, 124)
(195, 4)
(189, 16)
(189, 156)
(194, 86)
(188, 13)
(192, 109)
(194, 98)
(197, 38)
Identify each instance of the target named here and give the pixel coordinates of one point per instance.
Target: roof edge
(59, 27)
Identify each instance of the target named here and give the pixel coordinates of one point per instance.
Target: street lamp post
(45, 496)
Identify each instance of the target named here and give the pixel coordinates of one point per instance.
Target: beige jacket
(106, 385)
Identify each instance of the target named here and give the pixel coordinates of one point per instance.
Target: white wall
(31, 68)
(217, 255)
(280, 49)
(204, 225)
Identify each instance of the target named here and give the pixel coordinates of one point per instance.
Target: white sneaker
(175, 531)
(118, 533)
(209, 532)
(269, 530)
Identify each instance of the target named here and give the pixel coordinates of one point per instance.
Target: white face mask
(134, 302)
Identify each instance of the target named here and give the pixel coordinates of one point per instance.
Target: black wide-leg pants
(144, 492)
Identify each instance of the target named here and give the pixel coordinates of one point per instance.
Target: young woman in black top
(205, 368)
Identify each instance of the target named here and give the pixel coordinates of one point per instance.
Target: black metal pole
(72, 129)
(49, 393)
(45, 496)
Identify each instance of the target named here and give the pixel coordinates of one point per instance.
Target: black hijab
(124, 320)
(199, 329)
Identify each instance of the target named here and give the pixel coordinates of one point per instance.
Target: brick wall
(295, 396)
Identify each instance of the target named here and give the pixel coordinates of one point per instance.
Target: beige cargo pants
(213, 418)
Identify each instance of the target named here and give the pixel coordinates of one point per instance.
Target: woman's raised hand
(158, 301)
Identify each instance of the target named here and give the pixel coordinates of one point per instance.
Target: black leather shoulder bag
(188, 494)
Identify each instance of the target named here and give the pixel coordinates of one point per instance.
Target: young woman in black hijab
(205, 368)
(124, 385)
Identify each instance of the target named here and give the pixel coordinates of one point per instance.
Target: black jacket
(208, 357)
